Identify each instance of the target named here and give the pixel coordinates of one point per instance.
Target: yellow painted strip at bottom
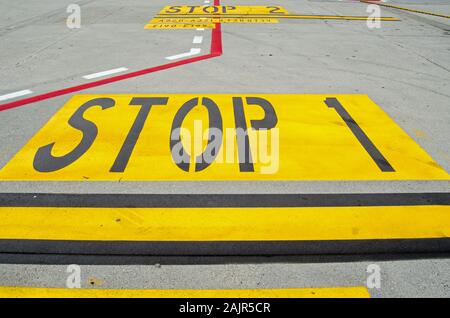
(335, 292)
(180, 26)
(225, 224)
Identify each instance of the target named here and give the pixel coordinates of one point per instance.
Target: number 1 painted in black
(368, 145)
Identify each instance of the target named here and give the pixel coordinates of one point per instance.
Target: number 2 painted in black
(275, 10)
(364, 140)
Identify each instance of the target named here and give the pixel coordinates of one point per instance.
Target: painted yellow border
(225, 224)
(334, 292)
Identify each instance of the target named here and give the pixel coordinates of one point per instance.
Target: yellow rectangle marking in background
(223, 9)
(213, 20)
(179, 26)
(331, 292)
(277, 16)
(314, 142)
(225, 224)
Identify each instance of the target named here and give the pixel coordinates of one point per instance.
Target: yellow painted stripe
(334, 292)
(287, 16)
(179, 25)
(407, 9)
(225, 224)
(213, 20)
(330, 17)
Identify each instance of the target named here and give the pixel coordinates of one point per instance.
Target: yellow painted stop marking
(222, 10)
(221, 137)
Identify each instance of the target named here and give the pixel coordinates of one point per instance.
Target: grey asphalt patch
(112, 35)
(411, 278)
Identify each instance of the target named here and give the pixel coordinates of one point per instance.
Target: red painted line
(113, 79)
(216, 45)
(216, 50)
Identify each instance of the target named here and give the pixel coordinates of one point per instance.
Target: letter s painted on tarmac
(44, 161)
(173, 9)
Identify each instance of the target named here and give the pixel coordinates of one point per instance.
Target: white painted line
(105, 73)
(193, 51)
(15, 94)
(200, 29)
(197, 39)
